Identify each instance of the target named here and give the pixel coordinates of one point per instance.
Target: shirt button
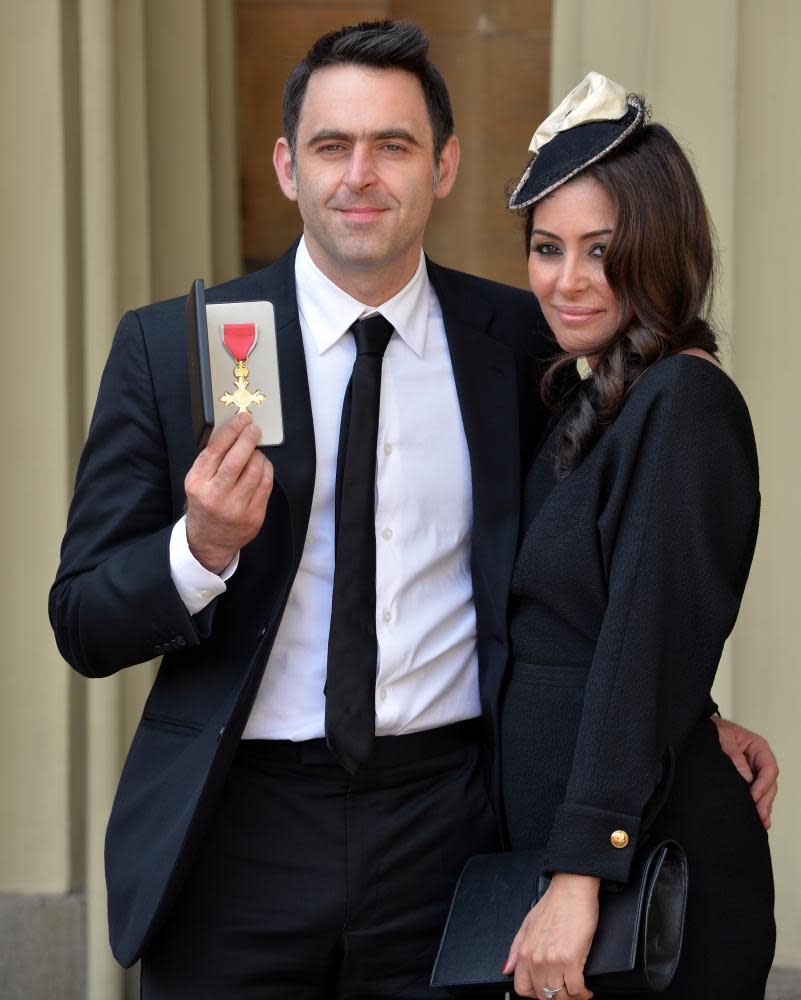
(382, 693)
(204, 593)
(619, 838)
(387, 449)
(387, 533)
(387, 617)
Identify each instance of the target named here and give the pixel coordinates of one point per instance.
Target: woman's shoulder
(693, 366)
(689, 400)
(687, 383)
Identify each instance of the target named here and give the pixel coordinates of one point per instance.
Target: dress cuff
(589, 841)
(196, 586)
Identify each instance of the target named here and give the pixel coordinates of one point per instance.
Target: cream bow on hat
(595, 99)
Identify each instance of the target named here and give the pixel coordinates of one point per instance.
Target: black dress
(628, 580)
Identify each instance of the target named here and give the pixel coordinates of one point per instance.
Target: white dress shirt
(427, 670)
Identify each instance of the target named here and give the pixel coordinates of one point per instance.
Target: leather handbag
(636, 944)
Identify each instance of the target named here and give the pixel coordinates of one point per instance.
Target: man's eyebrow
(396, 133)
(584, 236)
(332, 135)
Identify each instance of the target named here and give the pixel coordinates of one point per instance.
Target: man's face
(364, 173)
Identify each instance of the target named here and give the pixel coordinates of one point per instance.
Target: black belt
(387, 750)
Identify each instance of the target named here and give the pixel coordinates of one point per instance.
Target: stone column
(41, 933)
(767, 679)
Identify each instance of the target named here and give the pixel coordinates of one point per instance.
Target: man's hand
(227, 490)
(754, 759)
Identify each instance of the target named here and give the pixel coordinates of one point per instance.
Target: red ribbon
(239, 339)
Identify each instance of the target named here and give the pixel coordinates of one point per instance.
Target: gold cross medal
(239, 340)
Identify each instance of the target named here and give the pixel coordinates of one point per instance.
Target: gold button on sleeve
(619, 838)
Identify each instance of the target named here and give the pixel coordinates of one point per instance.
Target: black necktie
(352, 644)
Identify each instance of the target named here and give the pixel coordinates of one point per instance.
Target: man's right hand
(227, 490)
(752, 756)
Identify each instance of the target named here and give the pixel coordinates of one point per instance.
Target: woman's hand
(551, 947)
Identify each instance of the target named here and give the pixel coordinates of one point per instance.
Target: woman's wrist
(579, 885)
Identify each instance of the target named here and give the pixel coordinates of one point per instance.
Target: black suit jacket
(113, 602)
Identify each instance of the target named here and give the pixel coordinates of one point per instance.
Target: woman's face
(572, 227)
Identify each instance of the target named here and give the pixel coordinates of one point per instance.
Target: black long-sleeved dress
(628, 581)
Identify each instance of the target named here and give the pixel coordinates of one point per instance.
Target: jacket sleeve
(113, 602)
(677, 536)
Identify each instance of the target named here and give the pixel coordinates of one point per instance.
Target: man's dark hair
(386, 44)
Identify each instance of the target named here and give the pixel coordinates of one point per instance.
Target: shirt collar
(329, 311)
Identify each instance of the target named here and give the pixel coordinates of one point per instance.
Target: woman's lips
(576, 315)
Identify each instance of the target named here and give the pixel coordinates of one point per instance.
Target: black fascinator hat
(594, 118)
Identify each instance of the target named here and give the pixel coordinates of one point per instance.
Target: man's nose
(361, 169)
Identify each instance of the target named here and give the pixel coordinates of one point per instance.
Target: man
(262, 842)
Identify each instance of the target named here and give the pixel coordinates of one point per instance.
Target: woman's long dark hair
(659, 263)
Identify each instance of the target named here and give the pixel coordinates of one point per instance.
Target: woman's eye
(599, 250)
(546, 249)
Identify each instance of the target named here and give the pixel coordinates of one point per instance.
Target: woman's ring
(552, 992)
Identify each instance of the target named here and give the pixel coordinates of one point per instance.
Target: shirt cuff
(197, 587)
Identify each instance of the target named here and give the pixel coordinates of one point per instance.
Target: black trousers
(314, 884)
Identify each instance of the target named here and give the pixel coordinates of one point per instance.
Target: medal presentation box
(233, 365)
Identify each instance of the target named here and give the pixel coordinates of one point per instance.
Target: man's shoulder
(472, 284)
(503, 312)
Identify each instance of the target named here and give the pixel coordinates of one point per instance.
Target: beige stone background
(121, 180)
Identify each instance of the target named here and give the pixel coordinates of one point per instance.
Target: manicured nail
(506, 967)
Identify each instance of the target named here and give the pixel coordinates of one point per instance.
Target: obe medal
(239, 340)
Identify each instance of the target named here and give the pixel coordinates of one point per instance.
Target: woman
(640, 519)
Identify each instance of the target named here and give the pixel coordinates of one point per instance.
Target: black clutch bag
(636, 944)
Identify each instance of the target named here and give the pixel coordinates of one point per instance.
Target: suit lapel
(486, 384)
(294, 461)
